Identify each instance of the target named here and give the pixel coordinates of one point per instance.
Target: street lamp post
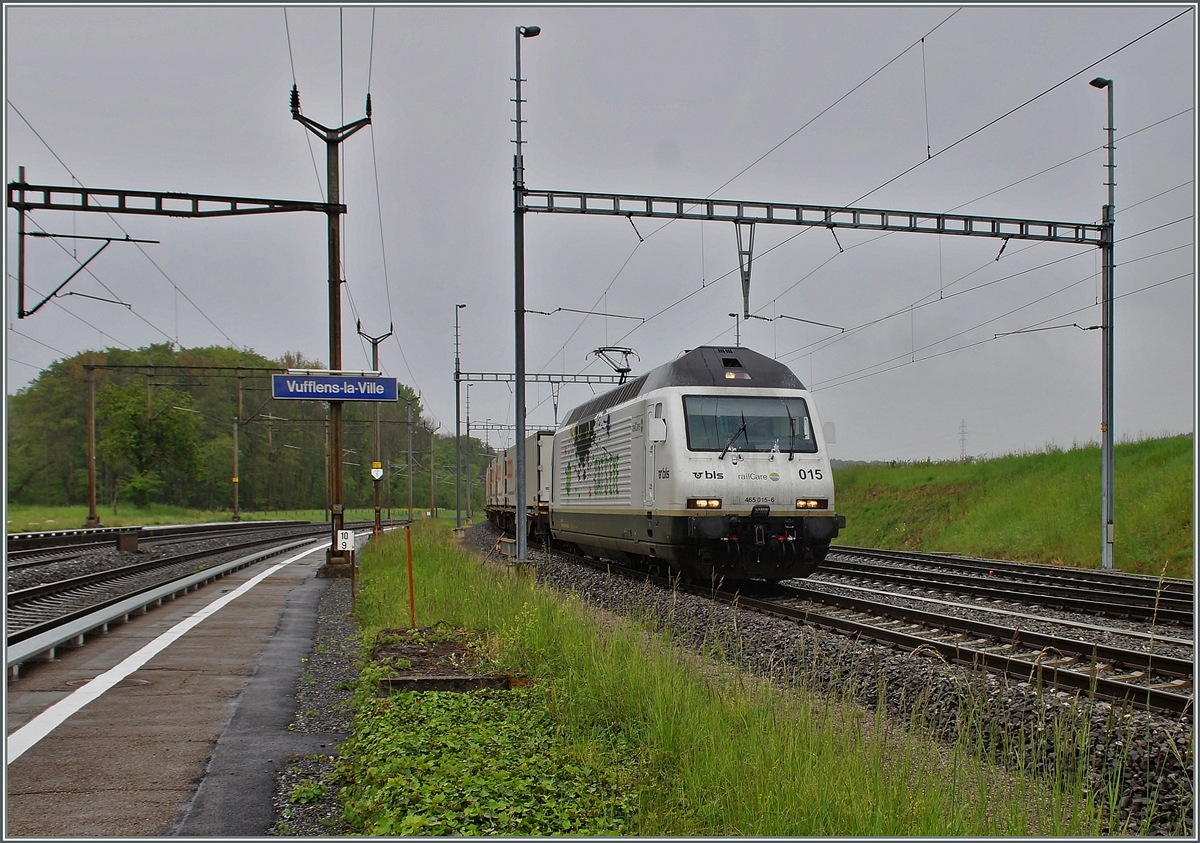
(1106, 325)
(457, 416)
(519, 297)
(737, 329)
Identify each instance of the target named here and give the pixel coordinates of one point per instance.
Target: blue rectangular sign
(333, 388)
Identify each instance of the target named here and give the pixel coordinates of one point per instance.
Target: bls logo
(708, 475)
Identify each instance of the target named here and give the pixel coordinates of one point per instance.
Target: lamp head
(529, 31)
(1100, 82)
(734, 315)
(460, 306)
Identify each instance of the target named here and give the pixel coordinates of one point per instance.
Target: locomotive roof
(708, 366)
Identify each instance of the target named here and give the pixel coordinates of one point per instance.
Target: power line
(992, 193)
(1070, 160)
(126, 233)
(307, 136)
(739, 174)
(826, 385)
(23, 363)
(915, 166)
(829, 107)
(1012, 111)
(84, 321)
(921, 303)
(850, 331)
(39, 342)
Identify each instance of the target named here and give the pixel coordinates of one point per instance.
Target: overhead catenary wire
(827, 385)
(23, 363)
(89, 271)
(850, 332)
(56, 242)
(307, 137)
(102, 333)
(1010, 312)
(742, 172)
(13, 330)
(927, 300)
(124, 231)
(993, 193)
(950, 146)
(921, 302)
(1015, 109)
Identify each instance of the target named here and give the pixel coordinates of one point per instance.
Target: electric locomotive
(714, 464)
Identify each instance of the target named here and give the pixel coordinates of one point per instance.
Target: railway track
(1054, 662)
(1104, 594)
(1177, 587)
(24, 550)
(65, 610)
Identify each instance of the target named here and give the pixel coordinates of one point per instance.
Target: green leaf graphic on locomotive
(604, 482)
(568, 478)
(583, 435)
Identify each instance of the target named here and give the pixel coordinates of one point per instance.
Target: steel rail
(1154, 635)
(1010, 636)
(100, 535)
(32, 557)
(1048, 673)
(1178, 588)
(1059, 597)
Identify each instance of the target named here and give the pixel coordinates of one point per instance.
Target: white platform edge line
(24, 738)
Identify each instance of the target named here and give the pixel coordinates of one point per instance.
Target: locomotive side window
(748, 423)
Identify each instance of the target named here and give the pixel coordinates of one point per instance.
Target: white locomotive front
(714, 463)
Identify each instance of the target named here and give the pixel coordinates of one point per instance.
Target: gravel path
(323, 697)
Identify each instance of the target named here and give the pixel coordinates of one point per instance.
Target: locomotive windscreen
(748, 423)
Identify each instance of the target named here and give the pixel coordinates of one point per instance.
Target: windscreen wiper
(792, 438)
(742, 430)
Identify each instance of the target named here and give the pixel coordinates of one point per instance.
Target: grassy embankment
(640, 739)
(1042, 508)
(39, 519)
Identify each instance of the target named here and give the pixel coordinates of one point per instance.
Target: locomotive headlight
(812, 503)
(704, 503)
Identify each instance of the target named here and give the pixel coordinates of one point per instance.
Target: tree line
(165, 428)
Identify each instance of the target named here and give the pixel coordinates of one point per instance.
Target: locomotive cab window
(748, 423)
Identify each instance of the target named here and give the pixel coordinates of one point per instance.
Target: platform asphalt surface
(192, 744)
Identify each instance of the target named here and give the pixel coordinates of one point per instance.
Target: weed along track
(1038, 687)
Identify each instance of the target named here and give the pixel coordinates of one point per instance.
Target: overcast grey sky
(667, 101)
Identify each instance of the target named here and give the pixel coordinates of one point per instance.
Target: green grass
(1042, 508)
(35, 519)
(695, 747)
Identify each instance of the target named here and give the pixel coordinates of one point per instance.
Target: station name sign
(368, 386)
